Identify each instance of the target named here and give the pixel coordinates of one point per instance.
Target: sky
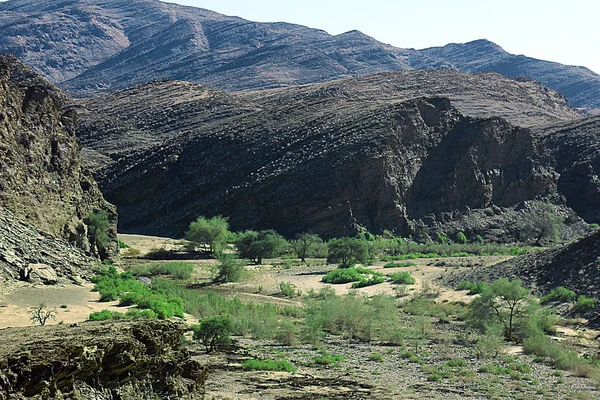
(563, 31)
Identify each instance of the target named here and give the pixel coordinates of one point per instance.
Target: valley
(198, 206)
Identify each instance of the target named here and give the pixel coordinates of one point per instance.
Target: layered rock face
(124, 360)
(90, 46)
(329, 158)
(42, 179)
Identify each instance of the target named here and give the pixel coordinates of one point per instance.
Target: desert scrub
(124, 287)
(268, 365)
(376, 357)
(325, 358)
(213, 332)
(584, 304)
(338, 276)
(178, 270)
(560, 293)
(472, 288)
(394, 264)
(107, 315)
(258, 320)
(288, 289)
(403, 278)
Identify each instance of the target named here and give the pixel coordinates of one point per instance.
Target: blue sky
(564, 31)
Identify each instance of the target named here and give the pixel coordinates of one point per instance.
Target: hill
(332, 158)
(88, 47)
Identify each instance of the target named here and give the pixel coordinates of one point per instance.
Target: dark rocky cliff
(329, 158)
(42, 179)
(89, 46)
(124, 360)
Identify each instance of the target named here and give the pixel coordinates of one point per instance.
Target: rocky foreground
(125, 360)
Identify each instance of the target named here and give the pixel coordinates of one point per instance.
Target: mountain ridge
(89, 47)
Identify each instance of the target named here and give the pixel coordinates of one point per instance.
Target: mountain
(42, 177)
(405, 151)
(88, 47)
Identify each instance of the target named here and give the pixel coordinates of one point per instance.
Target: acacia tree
(347, 252)
(504, 301)
(40, 314)
(260, 245)
(212, 232)
(304, 244)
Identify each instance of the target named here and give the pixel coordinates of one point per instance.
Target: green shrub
(465, 285)
(178, 270)
(461, 238)
(123, 245)
(287, 333)
(403, 278)
(288, 289)
(399, 264)
(559, 294)
(473, 288)
(338, 276)
(370, 281)
(584, 305)
(325, 358)
(262, 365)
(229, 269)
(376, 357)
(213, 332)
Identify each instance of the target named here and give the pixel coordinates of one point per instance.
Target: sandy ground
(16, 303)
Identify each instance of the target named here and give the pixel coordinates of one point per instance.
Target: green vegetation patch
(394, 264)
(178, 270)
(559, 294)
(268, 365)
(403, 278)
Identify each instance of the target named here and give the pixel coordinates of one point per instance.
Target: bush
(338, 276)
(376, 357)
(403, 278)
(268, 365)
(346, 252)
(473, 288)
(306, 245)
(559, 294)
(178, 270)
(399, 264)
(584, 305)
(325, 358)
(287, 334)
(375, 279)
(213, 332)
(288, 289)
(229, 269)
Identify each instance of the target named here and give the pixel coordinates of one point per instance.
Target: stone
(39, 273)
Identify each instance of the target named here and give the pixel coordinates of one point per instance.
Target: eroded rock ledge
(124, 360)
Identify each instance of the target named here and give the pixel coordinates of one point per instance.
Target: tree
(41, 314)
(347, 252)
(98, 224)
(304, 244)
(504, 301)
(212, 232)
(213, 332)
(260, 245)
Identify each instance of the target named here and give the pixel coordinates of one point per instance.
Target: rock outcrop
(329, 158)
(42, 179)
(26, 253)
(88, 47)
(124, 360)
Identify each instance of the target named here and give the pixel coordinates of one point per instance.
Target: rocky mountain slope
(42, 178)
(93, 46)
(124, 360)
(329, 158)
(574, 266)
